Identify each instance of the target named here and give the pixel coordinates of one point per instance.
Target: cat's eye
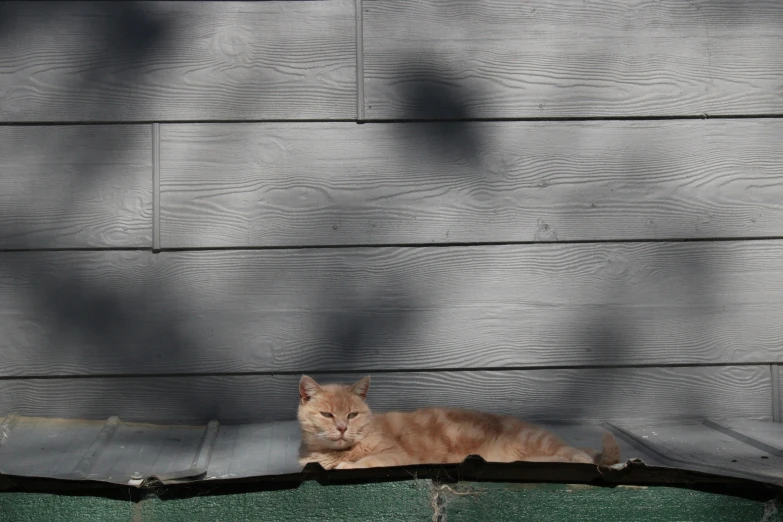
(326, 414)
(352, 414)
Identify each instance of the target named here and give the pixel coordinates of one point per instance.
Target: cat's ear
(307, 388)
(360, 388)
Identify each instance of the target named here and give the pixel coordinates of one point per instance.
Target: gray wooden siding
(496, 59)
(391, 308)
(83, 186)
(303, 184)
(560, 269)
(143, 61)
(616, 393)
(777, 392)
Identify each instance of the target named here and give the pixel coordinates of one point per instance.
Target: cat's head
(333, 416)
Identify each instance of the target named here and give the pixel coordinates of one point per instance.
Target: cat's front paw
(324, 461)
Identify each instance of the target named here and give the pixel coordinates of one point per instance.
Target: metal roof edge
(473, 469)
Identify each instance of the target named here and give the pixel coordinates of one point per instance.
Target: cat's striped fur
(339, 431)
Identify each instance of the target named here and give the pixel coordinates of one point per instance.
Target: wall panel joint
(156, 187)
(777, 408)
(359, 61)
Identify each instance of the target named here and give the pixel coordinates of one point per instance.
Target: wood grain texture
(76, 313)
(143, 61)
(777, 392)
(300, 184)
(650, 393)
(447, 59)
(82, 186)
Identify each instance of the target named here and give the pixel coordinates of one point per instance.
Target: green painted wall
(545, 503)
(374, 502)
(402, 501)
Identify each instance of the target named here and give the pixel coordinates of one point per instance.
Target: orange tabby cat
(339, 431)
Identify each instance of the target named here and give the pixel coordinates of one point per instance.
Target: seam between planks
(475, 244)
(359, 61)
(364, 371)
(777, 407)
(156, 187)
(347, 246)
(197, 121)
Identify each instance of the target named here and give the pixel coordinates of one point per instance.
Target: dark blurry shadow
(99, 324)
(356, 333)
(435, 95)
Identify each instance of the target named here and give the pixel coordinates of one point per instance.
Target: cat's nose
(342, 427)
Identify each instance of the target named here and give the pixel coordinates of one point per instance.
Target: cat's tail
(610, 454)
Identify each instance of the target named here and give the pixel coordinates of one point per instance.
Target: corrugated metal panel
(701, 447)
(251, 450)
(129, 453)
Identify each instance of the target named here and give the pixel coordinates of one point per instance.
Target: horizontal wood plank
(78, 313)
(301, 184)
(650, 393)
(80, 186)
(145, 61)
(444, 59)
